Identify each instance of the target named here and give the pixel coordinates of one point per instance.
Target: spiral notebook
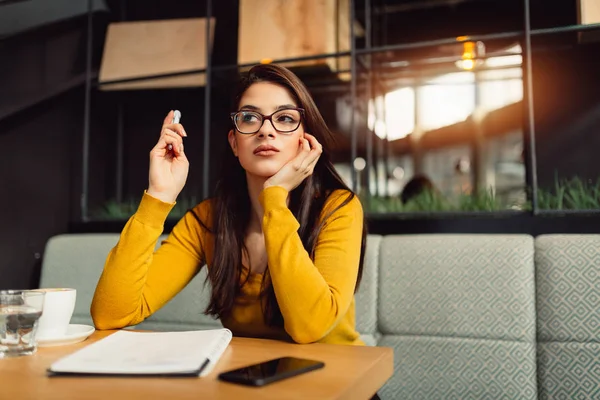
(191, 353)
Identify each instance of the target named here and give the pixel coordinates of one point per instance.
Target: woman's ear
(232, 142)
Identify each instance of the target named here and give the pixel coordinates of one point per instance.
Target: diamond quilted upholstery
(366, 297)
(479, 286)
(456, 368)
(568, 303)
(459, 311)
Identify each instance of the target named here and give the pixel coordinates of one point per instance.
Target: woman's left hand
(300, 167)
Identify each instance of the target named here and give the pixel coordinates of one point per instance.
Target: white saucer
(75, 333)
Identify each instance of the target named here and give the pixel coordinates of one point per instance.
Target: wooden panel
(278, 29)
(589, 13)
(144, 48)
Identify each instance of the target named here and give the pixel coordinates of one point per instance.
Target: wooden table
(351, 372)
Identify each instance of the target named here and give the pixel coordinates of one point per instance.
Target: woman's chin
(264, 169)
(263, 172)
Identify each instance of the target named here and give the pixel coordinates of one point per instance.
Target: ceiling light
(472, 54)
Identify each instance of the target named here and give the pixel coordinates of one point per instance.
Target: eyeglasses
(284, 121)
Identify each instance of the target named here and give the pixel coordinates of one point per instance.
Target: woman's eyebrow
(254, 108)
(283, 107)
(250, 107)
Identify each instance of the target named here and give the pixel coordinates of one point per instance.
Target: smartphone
(270, 371)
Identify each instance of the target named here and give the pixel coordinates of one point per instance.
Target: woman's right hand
(168, 168)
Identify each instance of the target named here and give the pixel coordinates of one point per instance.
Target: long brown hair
(232, 207)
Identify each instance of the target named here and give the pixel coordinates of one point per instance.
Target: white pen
(176, 118)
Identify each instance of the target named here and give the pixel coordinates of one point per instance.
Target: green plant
(431, 201)
(484, 200)
(567, 194)
(570, 194)
(125, 209)
(116, 210)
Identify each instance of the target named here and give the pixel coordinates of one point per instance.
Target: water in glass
(20, 311)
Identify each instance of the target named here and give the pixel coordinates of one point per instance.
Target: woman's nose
(267, 129)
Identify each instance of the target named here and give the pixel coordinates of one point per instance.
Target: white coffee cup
(59, 304)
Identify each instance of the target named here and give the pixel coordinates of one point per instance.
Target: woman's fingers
(314, 143)
(168, 124)
(303, 151)
(309, 162)
(178, 128)
(173, 134)
(305, 144)
(311, 166)
(176, 136)
(169, 118)
(169, 140)
(312, 157)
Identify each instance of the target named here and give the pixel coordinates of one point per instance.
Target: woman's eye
(249, 118)
(285, 118)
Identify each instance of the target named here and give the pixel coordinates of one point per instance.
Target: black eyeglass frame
(268, 118)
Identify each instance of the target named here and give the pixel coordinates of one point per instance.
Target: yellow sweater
(316, 296)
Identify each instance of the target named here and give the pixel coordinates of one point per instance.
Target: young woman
(282, 239)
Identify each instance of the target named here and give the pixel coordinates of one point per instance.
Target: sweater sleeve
(313, 294)
(137, 280)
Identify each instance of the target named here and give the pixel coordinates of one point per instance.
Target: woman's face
(264, 153)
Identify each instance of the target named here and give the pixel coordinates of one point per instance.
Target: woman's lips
(265, 150)
(266, 153)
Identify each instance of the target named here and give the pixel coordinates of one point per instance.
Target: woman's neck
(255, 186)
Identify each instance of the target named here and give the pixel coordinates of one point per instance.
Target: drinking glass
(20, 311)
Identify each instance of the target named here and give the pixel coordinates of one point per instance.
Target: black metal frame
(7, 2)
(86, 118)
(527, 33)
(207, 92)
(532, 170)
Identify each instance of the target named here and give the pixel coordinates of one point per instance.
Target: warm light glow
(380, 129)
(400, 113)
(472, 51)
(450, 98)
(399, 110)
(399, 173)
(494, 62)
(508, 60)
(504, 86)
(467, 65)
(446, 100)
(469, 51)
(266, 61)
(359, 163)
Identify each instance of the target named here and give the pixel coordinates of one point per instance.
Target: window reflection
(462, 130)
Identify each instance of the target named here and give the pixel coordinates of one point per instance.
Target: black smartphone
(270, 371)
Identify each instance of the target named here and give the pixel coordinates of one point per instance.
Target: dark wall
(42, 74)
(567, 113)
(41, 121)
(36, 176)
(19, 16)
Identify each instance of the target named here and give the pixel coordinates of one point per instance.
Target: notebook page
(217, 351)
(126, 352)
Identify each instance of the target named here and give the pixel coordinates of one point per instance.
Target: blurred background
(449, 115)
